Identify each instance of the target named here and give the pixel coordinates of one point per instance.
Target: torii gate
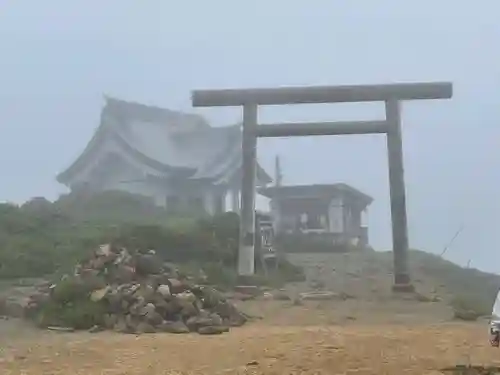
(391, 95)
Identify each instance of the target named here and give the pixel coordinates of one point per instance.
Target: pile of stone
(141, 294)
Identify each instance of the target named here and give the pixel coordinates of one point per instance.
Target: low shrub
(79, 314)
(41, 238)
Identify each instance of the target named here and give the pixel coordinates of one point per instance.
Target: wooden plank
(322, 94)
(301, 129)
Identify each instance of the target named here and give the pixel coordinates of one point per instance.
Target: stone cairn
(142, 294)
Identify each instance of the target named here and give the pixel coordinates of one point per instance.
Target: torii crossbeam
(391, 95)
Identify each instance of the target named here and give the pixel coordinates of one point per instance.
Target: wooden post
(402, 280)
(246, 254)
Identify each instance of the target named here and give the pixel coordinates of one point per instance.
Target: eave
(301, 191)
(235, 168)
(104, 133)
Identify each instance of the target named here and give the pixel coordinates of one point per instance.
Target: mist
(60, 58)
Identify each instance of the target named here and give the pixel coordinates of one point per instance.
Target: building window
(313, 222)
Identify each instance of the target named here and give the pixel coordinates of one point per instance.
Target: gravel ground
(370, 333)
(289, 340)
(355, 349)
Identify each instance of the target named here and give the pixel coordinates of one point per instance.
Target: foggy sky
(59, 58)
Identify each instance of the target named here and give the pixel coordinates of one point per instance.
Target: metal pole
(402, 280)
(246, 254)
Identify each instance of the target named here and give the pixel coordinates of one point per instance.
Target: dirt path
(256, 349)
(316, 338)
(371, 333)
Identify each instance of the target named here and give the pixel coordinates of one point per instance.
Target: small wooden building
(330, 212)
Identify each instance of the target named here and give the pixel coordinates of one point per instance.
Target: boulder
(164, 290)
(173, 327)
(121, 326)
(122, 274)
(176, 286)
(145, 292)
(230, 314)
(147, 264)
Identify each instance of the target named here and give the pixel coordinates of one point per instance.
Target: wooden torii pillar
(391, 95)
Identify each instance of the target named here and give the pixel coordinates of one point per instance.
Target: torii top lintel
(322, 94)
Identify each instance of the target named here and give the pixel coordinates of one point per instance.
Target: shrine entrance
(391, 95)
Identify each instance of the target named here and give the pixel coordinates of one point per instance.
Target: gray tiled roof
(315, 190)
(168, 139)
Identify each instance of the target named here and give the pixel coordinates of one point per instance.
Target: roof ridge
(111, 99)
(338, 185)
(153, 113)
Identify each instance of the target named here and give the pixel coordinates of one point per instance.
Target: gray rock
(147, 264)
(129, 290)
(145, 292)
(230, 313)
(186, 296)
(212, 330)
(122, 274)
(318, 296)
(176, 286)
(121, 326)
(110, 320)
(154, 318)
(100, 294)
(171, 308)
(281, 296)
(189, 310)
(186, 302)
(211, 297)
(125, 305)
(164, 290)
(174, 327)
(132, 322)
(162, 306)
(144, 327)
(95, 329)
(216, 319)
(203, 320)
(147, 309)
(60, 329)
(136, 308)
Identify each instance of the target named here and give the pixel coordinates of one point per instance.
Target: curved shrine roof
(166, 140)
